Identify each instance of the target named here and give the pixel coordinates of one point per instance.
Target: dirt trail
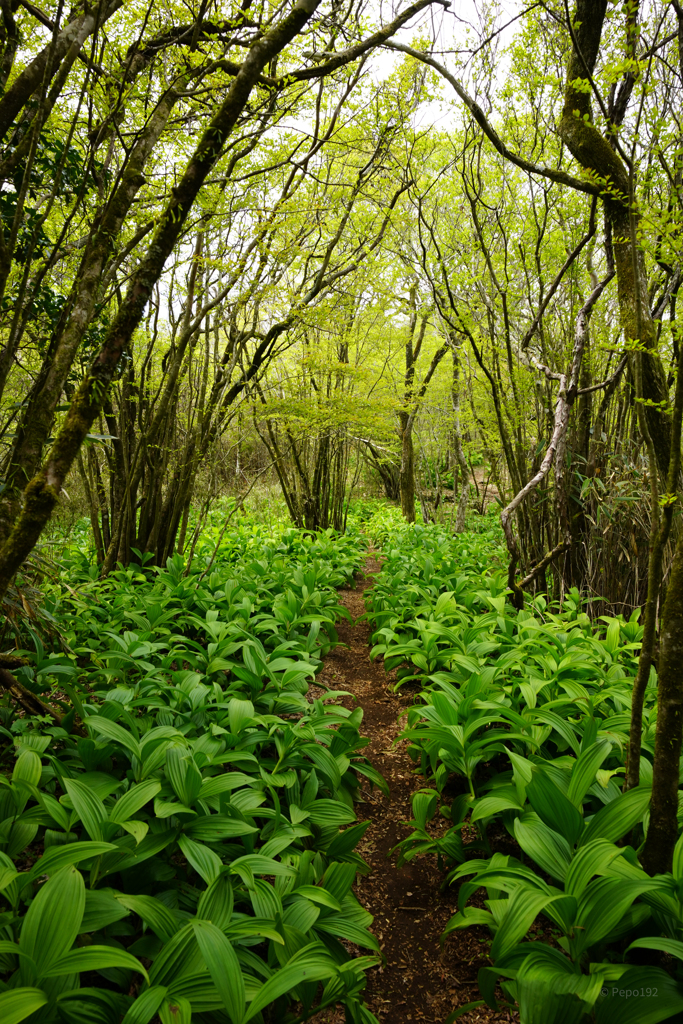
(419, 982)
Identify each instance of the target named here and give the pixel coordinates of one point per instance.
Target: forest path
(419, 982)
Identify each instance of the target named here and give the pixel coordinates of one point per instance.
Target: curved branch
(561, 177)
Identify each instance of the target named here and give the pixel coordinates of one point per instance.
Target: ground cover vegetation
(330, 249)
(523, 718)
(195, 821)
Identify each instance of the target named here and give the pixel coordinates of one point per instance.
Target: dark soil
(420, 981)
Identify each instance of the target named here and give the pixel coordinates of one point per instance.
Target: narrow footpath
(420, 981)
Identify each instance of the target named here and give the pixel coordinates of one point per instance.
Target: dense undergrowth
(183, 843)
(521, 726)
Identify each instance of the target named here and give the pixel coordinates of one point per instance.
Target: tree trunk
(662, 833)
(596, 155)
(461, 462)
(407, 471)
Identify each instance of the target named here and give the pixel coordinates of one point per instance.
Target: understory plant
(520, 724)
(183, 844)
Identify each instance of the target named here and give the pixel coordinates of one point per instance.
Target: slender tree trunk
(662, 833)
(461, 462)
(407, 471)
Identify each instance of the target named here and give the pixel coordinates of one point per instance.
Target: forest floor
(420, 981)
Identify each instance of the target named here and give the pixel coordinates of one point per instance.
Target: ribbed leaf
(642, 995)
(91, 1006)
(145, 1006)
(589, 860)
(19, 1003)
(548, 849)
(255, 864)
(617, 818)
(672, 946)
(547, 995)
(205, 862)
(318, 895)
(113, 731)
(136, 798)
(216, 902)
(553, 807)
(27, 768)
(183, 774)
(524, 905)
(93, 958)
(301, 968)
(239, 712)
(602, 906)
(53, 920)
(345, 929)
(583, 772)
(58, 857)
(101, 909)
(224, 968)
(330, 812)
(153, 912)
(137, 829)
(178, 958)
(212, 828)
(175, 1011)
(324, 762)
(88, 806)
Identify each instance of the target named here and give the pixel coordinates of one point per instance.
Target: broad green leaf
(146, 1005)
(224, 968)
(642, 995)
(131, 802)
(547, 995)
(88, 806)
(216, 902)
(318, 895)
(93, 958)
(255, 864)
(548, 849)
(674, 947)
(114, 732)
(91, 1006)
(179, 957)
(58, 857)
(153, 912)
(137, 829)
(524, 906)
(617, 818)
(602, 906)
(53, 920)
(323, 761)
(183, 774)
(592, 859)
(101, 909)
(205, 862)
(175, 1011)
(27, 768)
(240, 712)
(19, 1003)
(584, 771)
(553, 807)
(303, 967)
(330, 812)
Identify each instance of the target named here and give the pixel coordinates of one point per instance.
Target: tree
(255, 87)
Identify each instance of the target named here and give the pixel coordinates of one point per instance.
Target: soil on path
(420, 981)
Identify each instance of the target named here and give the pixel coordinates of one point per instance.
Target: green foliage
(523, 720)
(193, 852)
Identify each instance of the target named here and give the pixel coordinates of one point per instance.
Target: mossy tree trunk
(603, 164)
(42, 492)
